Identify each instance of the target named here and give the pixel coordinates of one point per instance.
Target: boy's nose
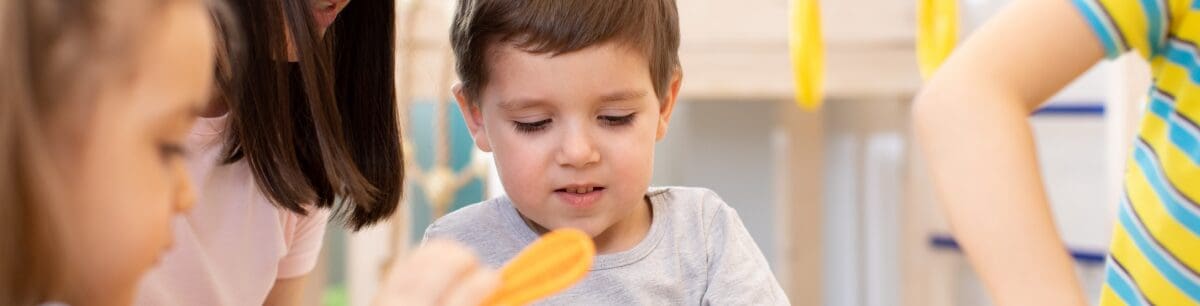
(577, 150)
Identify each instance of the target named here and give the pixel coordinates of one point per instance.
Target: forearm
(981, 155)
(287, 291)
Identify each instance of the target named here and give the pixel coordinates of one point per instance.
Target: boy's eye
(531, 127)
(617, 120)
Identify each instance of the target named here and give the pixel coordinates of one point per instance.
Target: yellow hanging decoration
(937, 33)
(807, 50)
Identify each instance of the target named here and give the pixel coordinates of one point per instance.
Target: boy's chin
(590, 227)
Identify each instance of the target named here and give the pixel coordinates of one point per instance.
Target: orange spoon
(554, 262)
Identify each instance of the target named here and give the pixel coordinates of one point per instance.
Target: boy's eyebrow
(519, 103)
(623, 95)
(616, 96)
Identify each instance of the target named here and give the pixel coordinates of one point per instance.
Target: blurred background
(837, 198)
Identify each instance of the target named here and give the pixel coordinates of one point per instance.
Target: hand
(438, 273)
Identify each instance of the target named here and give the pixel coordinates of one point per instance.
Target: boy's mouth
(579, 189)
(583, 196)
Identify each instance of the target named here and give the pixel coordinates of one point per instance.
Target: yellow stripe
(1179, 169)
(1110, 298)
(1170, 77)
(1157, 63)
(1188, 103)
(1174, 78)
(1184, 27)
(1132, 22)
(1149, 281)
(1181, 27)
(1177, 9)
(1171, 234)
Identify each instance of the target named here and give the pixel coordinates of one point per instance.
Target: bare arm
(971, 122)
(286, 292)
(438, 273)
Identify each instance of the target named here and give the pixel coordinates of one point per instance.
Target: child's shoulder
(466, 221)
(695, 197)
(487, 227)
(690, 203)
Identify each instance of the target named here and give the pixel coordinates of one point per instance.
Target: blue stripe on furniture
(946, 242)
(1071, 109)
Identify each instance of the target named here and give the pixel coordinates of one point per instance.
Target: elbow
(927, 109)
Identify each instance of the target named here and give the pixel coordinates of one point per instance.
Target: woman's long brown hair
(323, 130)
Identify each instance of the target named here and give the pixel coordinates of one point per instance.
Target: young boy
(991, 189)
(571, 97)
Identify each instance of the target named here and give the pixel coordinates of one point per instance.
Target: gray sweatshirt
(697, 252)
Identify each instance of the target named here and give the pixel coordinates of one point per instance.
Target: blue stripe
(1166, 194)
(1183, 55)
(1155, 19)
(1090, 11)
(1120, 284)
(1182, 134)
(1083, 256)
(1185, 141)
(1160, 106)
(1091, 109)
(1156, 258)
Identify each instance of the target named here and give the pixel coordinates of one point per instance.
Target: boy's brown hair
(562, 26)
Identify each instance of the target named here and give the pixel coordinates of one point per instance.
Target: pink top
(233, 244)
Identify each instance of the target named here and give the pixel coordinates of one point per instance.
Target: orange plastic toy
(551, 264)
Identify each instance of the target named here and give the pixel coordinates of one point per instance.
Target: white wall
(726, 147)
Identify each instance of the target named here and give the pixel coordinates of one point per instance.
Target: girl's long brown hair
(324, 130)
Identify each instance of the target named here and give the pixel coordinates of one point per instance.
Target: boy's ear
(668, 103)
(473, 116)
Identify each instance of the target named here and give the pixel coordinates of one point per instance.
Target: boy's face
(573, 135)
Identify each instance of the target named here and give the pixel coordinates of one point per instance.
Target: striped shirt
(1155, 251)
